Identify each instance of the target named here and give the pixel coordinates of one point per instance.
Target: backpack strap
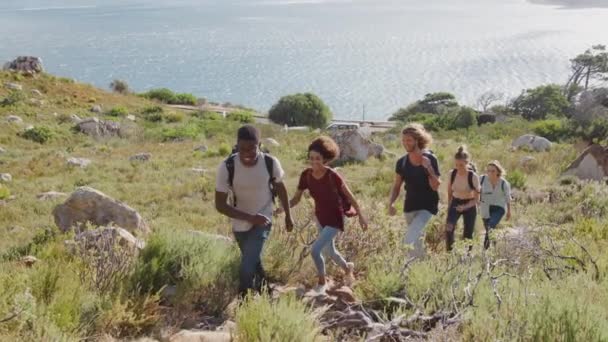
(483, 179)
(453, 176)
(470, 175)
(269, 161)
(230, 167)
(502, 185)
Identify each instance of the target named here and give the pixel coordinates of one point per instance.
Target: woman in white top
(495, 198)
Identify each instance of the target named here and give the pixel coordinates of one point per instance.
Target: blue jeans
(468, 216)
(325, 244)
(251, 272)
(416, 221)
(496, 214)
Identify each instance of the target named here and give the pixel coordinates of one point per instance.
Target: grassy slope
(173, 198)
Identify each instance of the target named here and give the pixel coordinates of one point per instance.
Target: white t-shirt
(499, 195)
(250, 187)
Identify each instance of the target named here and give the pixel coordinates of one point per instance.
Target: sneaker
(349, 278)
(320, 289)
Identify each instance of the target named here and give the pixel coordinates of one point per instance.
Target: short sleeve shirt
(418, 192)
(250, 187)
(324, 191)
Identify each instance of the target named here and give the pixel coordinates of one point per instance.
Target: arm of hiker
(362, 219)
(222, 206)
(450, 194)
(395, 190)
(283, 197)
(432, 170)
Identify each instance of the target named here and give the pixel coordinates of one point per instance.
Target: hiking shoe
(320, 289)
(349, 278)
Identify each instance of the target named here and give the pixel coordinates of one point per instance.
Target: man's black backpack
(268, 160)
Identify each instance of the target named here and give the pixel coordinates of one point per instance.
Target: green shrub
(553, 129)
(174, 117)
(517, 179)
(13, 98)
(466, 117)
(185, 99)
(241, 116)
(153, 113)
(162, 94)
(207, 115)
(285, 319)
(186, 131)
(38, 134)
(300, 110)
(383, 278)
(118, 112)
(4, 192)
(203, 268)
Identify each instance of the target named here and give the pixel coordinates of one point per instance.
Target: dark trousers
(496, 214)
(469, 216)
(251, 272)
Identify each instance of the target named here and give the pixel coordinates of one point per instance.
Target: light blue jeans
(416, 221)
(325, 244)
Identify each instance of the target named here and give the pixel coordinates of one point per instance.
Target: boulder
(355, 145)
(101, 238)
(592, 164)
(131, 117)
(75, 119)
(142, 157)
(486, 118)
(87, 205)
(201, 336)
(36, 92)
(532, 142)
(98, 128)
(50, 195)
(25, 64)
(29, 260)
(270, 142)
(79, 162)
(591, 104)
(97, 109)
(14, 119)
(6, 177)
(36, 102)
(13, 86)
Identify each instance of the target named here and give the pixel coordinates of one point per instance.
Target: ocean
(364, 58)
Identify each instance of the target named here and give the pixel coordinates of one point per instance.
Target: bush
(174, 117)
(4, 192)
(286, 319)
(517, 179)
(466, 117)
(13, 98)
(119, 86)
(118, 112)
(538, 103)
(38, 134)
(167, 96)
(241, 116)
(186, 131)
(554, 129)
(207, 115)
(153, 113)
(300, 110)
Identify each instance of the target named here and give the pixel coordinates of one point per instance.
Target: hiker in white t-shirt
(495, 198)
(253, 178)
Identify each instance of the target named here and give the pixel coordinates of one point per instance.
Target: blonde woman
(495, 198)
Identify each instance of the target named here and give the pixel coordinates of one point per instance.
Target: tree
(300, 110)
(586, 67)
(432, 103)
(537, 103)
(465, 118)
(119, 86)
(487, 99)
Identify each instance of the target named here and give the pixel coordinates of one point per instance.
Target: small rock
(14, 119)
(344, 293)
(75, 119)
(215, 237)
(131, 117)
(15, 229)
(29, 260)
(96, 109)
(2, 150)
(169, 291)
(36, 102)
(51, 195)
(199, 171)
(29, 127)
(201, 148)
(6, 177)
(143, 157)
(79, 162)
(36, 92)
(201, 336)
(98, 236)
(13, 86)
(270, 142)
(228, 326)
(526, 161)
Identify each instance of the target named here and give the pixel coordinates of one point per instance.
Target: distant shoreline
(573, 4)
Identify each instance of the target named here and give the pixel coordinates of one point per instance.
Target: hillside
(544, 281)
